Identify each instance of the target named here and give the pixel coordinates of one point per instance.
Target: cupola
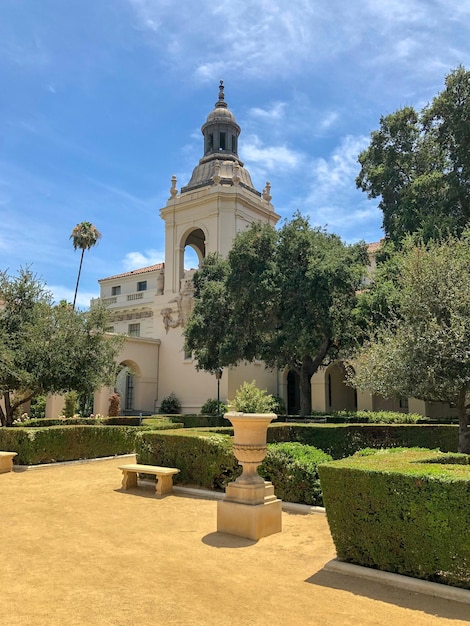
(220, 163)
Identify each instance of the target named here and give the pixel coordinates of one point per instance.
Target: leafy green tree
(418, 163)
(423, 349)
(286, 297)
(85, 235)
(46, 348)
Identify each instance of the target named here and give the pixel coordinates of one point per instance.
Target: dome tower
(218, 201)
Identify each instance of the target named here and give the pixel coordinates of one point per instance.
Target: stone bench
(164, 476)
(6, 461)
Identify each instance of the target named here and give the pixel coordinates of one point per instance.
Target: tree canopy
(418, 163)
(46, 348)
(422, 347)
(284, 296)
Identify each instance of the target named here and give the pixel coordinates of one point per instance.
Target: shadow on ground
(449, 609)
(224, 540)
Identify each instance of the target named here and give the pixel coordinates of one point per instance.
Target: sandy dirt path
(77, 550)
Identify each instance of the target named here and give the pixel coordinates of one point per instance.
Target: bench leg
(129, 479)
(6, 464)
(164, 485)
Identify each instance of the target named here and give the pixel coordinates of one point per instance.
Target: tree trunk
(9, 410)
(464, 432)
(78, 277)
(305, 389)
(7, 417)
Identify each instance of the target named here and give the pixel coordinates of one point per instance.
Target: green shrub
(204, 459)
(170, 405)
(292, 468)
(69, 443)
(250, 399)
(403, 511)
(210, 407)
(38, 407)
(375, 417)
(342, 440)
(70, 405)
(191, 420)
(279, 406)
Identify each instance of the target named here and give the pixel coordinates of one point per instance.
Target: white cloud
(340, 169)
(275, 113)
(261, 38)
(266, 158)
(135, 260)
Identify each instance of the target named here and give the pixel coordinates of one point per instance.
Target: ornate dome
(220, 163)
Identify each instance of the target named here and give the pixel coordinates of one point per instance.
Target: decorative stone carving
(267, 192)
(236, 173)
(184, 306)
(216, 177)
(168, 320)
(173, 190)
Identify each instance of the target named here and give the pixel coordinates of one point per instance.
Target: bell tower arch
(218, 201)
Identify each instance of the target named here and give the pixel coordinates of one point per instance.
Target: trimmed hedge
(292, 468)
(122, 420)
(402, 511)
(204, 459)
(207, 460)
(190, 420)
(66, 443)
(344, 440)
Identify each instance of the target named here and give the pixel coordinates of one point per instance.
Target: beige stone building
(151, 305)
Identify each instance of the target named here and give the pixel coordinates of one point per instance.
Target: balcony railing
(135, 296)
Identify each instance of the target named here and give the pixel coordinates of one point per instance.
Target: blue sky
(102, 102)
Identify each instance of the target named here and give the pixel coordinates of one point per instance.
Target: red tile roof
(373, 247)
(141, 270)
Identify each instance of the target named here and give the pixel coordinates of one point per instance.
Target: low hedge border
(206, 460)
(42, 422)
(66, 443)
(342, 440)
(404, 511)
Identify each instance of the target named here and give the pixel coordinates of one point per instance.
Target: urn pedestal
(250, 509)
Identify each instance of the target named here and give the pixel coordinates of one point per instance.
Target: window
(133, 330)
(188, 355)
(222, 141)
(142, 285)
(210, 143)
(115, 291)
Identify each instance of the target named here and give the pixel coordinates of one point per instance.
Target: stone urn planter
(249, 443)
(250, 509)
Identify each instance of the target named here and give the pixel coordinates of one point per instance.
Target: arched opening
(126, 386)
(191, 259)
(340, 396)
(194, 249)
(293, 393)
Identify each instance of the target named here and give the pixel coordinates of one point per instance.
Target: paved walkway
(76, 550)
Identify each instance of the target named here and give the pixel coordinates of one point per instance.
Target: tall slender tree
(85, 235)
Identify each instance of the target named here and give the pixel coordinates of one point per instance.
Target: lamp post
(218, 375)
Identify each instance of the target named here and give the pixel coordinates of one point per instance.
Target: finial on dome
(221, 102)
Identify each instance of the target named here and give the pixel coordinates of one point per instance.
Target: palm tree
(84, 236)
